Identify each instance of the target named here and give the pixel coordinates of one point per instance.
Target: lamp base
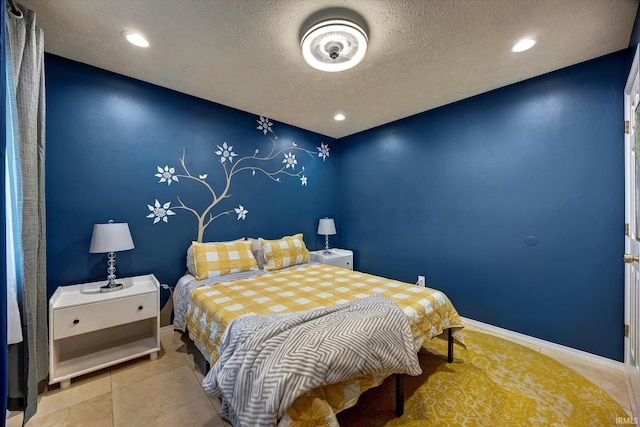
(326, 251)
(110, 287)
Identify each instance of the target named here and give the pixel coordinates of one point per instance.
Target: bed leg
(399, 395)
(450, 345)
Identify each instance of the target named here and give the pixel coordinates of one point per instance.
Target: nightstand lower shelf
(77, 365)
(84, 353)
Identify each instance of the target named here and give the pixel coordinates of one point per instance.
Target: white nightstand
(339, 257)
(90, 330)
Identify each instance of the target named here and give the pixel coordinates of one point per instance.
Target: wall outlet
(421, 281)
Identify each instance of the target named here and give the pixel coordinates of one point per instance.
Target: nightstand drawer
(344, 262)
(91, 317)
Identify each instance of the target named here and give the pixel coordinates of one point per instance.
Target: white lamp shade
(326, 227)
(111, 237)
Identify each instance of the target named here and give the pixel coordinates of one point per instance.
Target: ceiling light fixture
(522, 45)
(135, 38)
(334, 45)
(339, 117)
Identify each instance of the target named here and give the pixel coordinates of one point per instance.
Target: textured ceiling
(246, 53)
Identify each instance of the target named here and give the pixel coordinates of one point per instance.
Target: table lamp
(110, 238)
(327, 227)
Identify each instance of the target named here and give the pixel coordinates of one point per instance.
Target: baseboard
(578, 354)
(166, 329)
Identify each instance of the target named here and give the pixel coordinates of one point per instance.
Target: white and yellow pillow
(191, 263)
(219, 259)
(284, 252)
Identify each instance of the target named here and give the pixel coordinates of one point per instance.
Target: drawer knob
(140, 307)
(76, 321)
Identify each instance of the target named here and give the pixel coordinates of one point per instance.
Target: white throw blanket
(266, 362)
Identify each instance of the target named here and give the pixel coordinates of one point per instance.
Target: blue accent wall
(106, 137)
(511, 202)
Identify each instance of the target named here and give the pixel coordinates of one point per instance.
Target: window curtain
(13, 211)
(28, 359)
(3, 204)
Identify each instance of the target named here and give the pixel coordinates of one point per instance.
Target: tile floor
(167, 392)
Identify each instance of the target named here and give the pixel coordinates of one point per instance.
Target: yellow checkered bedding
(213, 307)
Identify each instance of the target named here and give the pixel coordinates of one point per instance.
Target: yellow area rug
(494, 382)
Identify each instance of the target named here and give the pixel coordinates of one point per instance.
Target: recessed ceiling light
(334, 45)
(135, 38)
(522, 45)
(339, 117)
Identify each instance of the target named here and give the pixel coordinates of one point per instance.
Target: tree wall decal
(232, 164)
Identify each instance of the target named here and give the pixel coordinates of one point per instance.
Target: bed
(205, 307)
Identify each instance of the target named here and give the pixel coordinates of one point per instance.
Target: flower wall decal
(166, 175)
(225, 152)
(241, 211)
(323, 151)
(290, 160)
(264, 125)
(160, 211)
(232, 164)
